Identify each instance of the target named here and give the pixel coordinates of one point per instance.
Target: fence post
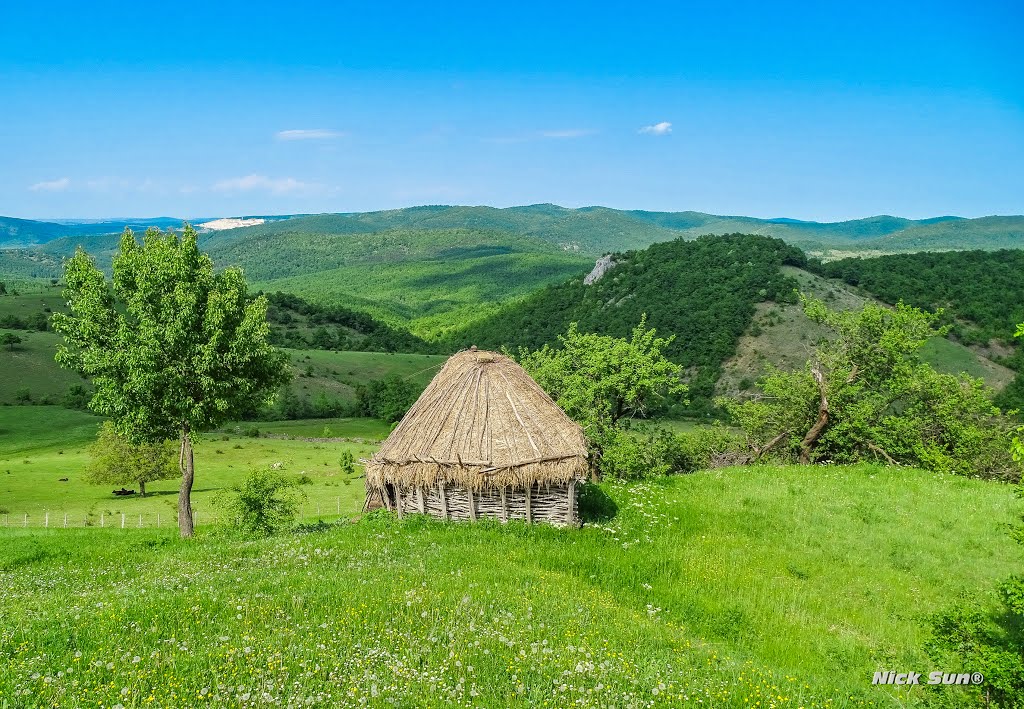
(339, 505)
(65, 520)
(26, 520)
(140, 520)
(122, 520)
(46, 520)
(158, 520)
(101, 519)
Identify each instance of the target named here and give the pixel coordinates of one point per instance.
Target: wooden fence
(57, 519)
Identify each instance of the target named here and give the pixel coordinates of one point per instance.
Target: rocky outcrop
(603, 265)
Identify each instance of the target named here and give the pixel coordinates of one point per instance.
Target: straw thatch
(484, 428)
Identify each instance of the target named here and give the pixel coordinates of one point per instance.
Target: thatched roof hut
(483, 440)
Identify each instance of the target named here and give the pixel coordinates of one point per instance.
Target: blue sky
(819, 111)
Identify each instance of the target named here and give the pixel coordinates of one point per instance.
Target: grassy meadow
(765, 586)
(39, 445)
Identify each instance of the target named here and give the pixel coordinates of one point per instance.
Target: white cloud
(570, 133)
(262, 183)
(663, 128)
(58, 185)
(308, 134)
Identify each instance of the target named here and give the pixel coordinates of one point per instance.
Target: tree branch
(758, 452)
(816, 430)
(881, 451)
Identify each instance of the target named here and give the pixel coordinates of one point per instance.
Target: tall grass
(744, 587)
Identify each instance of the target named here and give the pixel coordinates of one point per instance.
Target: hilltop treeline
(702, 291)
(981, 292)
(299, 324)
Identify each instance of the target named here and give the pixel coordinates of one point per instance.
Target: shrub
(714, 446)
(23, 396)
(646, 453)
(347, 463)
(991, 642)
(868, 395)
(265, 503)
(77, 397)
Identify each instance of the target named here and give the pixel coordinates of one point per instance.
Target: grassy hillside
(780, 335)
(734, 588)
(433, 295)
(30, 369)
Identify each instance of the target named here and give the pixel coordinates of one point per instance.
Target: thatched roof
(482, 422)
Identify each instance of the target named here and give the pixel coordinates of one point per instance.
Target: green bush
(347, 464)
(265, 503)
(77, 397)
(646, 453)
(974, 639)
(714, 446)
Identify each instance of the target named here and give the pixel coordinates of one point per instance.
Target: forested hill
(981, 292)
(702, 291)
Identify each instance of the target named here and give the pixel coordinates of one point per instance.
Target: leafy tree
(387, 399)
(116, 460)
(264, 503)
(171, 346)
(600, 381)
(868, 394)
(3, 288)
(10, 339)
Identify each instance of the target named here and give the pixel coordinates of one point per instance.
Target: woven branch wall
(553, 504)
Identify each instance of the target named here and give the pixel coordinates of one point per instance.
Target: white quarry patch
(230, 223)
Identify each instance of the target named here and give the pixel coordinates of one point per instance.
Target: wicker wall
(553, 504)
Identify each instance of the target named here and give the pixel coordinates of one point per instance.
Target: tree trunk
(142, 488)
(186, 462)
(816, 430)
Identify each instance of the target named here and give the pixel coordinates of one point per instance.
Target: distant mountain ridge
(594, 230)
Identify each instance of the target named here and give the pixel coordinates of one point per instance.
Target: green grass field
(764, 586)
(39, 445)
